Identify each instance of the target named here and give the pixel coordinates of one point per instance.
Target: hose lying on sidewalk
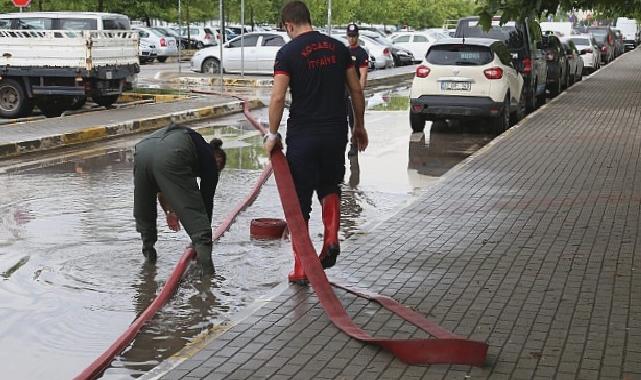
(446, 348)
(103, 361)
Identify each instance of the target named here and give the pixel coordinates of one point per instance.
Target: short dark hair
(217, 150)
(296, 12)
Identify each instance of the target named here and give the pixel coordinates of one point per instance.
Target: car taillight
(163, 42)
(604, 49)
(208, 36)
(527, 65)
(551, 56)
(386, 52)
(422, 71)
(493, 73)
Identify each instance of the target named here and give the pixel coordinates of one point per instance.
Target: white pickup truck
(58, 69)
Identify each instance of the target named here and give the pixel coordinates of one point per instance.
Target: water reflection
(433, 155)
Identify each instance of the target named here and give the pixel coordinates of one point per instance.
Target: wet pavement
(71, 275)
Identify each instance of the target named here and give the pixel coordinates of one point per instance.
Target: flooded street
(72, 277)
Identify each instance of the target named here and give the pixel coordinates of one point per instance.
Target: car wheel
(502, 122)
(438, 125)
(417, 122)
(530, 100)
(210, 65)
(519, 114)
(13, 99)
(571, 80)
(540, 100)
(556, 89)
(162, 59)
(105, 100)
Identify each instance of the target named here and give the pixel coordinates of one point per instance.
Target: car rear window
(581, 41)
(508, 33)
(460, 55)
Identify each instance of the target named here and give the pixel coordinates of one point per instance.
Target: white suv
(467, 78)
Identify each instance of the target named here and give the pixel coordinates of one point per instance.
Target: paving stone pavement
(532, 246)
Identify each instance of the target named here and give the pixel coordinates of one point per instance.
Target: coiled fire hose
(445, 347)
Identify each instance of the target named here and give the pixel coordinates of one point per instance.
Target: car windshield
(459, 55)
(508, 33)
(581, 41)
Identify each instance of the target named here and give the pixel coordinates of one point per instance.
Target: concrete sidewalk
(193, 79)
(40, 135)
(531, 245)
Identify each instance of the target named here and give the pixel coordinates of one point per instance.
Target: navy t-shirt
(316, 66)
(359, 58)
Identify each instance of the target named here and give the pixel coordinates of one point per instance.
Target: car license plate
(456, 86)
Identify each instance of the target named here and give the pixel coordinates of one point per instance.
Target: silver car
(165, 46)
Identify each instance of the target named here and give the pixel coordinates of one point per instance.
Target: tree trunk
(101, 5)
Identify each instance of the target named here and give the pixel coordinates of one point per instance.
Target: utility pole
(329, 18)
(222, 38)
(180, 33)
(242, 38)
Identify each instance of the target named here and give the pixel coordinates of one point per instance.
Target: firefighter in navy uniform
(316, 68)
(360, 58)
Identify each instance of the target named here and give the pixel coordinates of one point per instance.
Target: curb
(124, 128)
(269, 81)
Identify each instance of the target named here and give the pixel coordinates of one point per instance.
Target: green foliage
(519, 9)
(415, 13)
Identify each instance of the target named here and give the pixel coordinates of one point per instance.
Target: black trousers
(317, 163)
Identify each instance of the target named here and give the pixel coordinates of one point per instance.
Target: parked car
(380, 56)
(183, 42)
(400, 55)
(575, 62)
(204, 36)
(524, 39)
(468, 78)
(605, 40)
(165, 46)
(260, 53)
(417, 42)
(147, 52)
(619, 45)
(557, 78)
(587, 46)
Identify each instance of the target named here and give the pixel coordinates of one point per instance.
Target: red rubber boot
(297, 276)
(331, 221)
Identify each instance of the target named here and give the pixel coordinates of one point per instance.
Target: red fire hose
(445, 348)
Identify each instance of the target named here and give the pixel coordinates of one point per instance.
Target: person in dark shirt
(360, 58)
(316, 69)
(166, 164)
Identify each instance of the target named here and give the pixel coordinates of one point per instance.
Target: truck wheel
(417, 122)
(53, 106)
(105, 100)
(14, 102)
(162, 59)
(77, 102)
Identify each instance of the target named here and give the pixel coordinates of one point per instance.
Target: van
(524, 39)
(64, 21)
(629, 28)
